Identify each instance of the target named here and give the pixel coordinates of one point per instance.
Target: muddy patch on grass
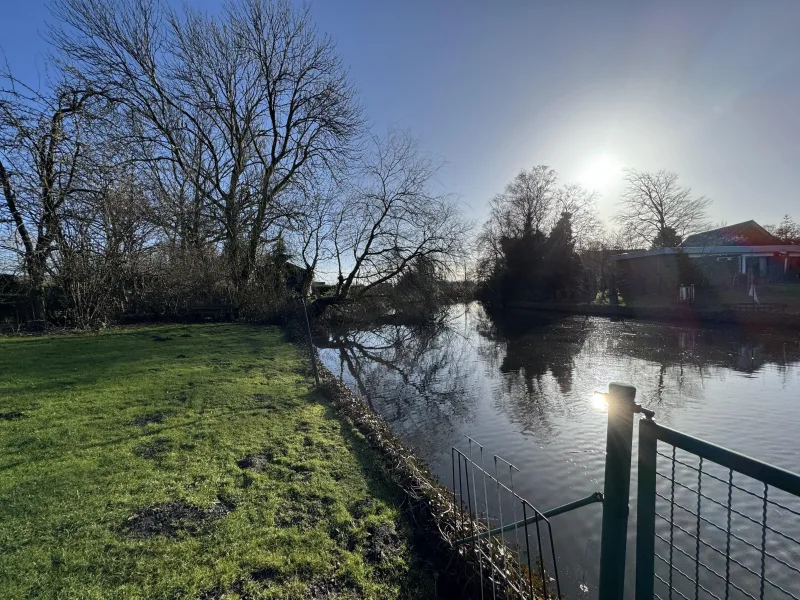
(167, 519)
(304, 513)
(267, 574)
(258, 463)
(329, 588)
(154, 450)
(383, 544)
(12, 416)
(148, 419)
(362, 508)
(237, 587)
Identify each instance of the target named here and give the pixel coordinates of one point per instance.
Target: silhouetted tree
(655, 206)
(787, 231)
(666, 238)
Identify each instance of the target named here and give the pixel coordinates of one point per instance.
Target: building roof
(748, 233)
(698, 251)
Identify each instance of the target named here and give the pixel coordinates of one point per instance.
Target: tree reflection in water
(416, 377)
(521, 386)
(427, 381)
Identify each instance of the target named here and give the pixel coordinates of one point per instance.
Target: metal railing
(505, 536)
(711, 523)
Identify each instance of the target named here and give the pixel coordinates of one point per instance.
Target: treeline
(172, 158)
(530, 246)
(545, 242)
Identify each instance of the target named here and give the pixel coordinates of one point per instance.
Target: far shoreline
(669, 314)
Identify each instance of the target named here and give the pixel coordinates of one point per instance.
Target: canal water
(523, 387)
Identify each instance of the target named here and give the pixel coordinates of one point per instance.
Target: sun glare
(601, 171)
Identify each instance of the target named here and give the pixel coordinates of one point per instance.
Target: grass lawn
(188, 462)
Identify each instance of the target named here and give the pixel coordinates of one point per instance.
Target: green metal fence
(710, 522)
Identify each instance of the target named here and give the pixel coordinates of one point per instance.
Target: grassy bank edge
(433, 510)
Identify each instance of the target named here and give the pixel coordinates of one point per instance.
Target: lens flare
(599, 401)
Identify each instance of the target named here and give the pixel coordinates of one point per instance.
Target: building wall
(663, 275)
(649, 275)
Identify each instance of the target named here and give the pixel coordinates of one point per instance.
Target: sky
(710, 90)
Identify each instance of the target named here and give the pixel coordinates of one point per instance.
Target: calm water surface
(523, 387)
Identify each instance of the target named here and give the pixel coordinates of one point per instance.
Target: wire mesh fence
(508, 537)
(713, 523)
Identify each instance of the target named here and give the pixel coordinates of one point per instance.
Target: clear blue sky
(708, 89)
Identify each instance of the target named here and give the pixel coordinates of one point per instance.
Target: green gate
(710, 522)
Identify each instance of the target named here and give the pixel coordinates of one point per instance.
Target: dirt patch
(259, 462)
(181, 356)
(148, 419)
(325, 589)
(302, 513)
(158, 338)
(303, 426)
(167, 519)
(155, 449)
(362, 508)
(184, 335)
(383, 544)
(12, 416)
(267, 574)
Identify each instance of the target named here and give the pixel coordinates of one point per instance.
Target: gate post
(646, 510)
(616, 491)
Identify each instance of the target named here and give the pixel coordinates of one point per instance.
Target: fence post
(646, 510)
(616, 491)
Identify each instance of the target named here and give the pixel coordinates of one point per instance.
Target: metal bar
(453, 464)
(616, 492)
(555, 563)
(728, 538)
(764, 540)
(488, 520)
(528, 549)
(500, 508)
(590, 499)
(671, 519)
(460, 492)
(477, 508)
(646, 512)
(541, 561)
(697, 543)
(773, 476)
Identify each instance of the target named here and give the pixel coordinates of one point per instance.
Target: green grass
(99, 432)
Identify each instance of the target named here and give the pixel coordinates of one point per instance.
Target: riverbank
(190, 462)
(670, 314)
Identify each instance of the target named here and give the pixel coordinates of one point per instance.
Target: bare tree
(581, 204)
(242, 106)
(787, 231)
(392, 219)
(526, 204)
(656, 209)
(41, 149)
(312, 232)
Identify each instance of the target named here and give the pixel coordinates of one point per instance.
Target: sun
(601, 171)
